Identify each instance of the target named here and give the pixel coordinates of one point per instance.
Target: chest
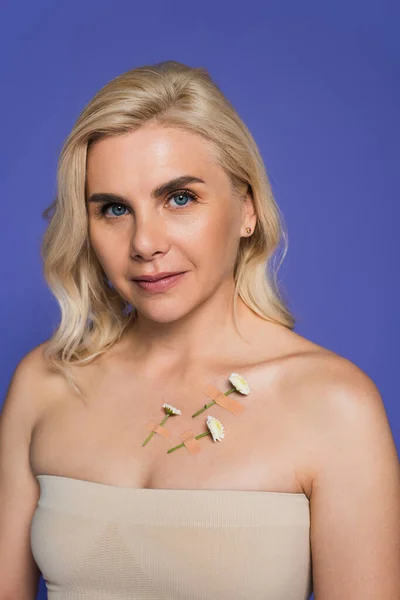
(100, 439)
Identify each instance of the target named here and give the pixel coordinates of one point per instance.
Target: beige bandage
(225, 401)
(188, 438)
(153, 426)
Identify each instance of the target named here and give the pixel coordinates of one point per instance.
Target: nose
(149, 238)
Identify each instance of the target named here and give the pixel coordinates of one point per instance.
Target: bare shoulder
(316, 381)
(27, 386)
(333, 388)
(316, 374)
(355, 478)
(19, 489)
(334, 396)
(29, 371)
(33, 363)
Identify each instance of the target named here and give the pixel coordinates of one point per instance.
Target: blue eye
(181, 194)
(105, 207)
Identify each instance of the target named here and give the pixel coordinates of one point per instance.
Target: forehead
(151, 155)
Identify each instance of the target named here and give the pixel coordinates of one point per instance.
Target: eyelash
(101, 211)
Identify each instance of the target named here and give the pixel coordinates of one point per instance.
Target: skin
(184, 338)
(314, 423)
(200, 237)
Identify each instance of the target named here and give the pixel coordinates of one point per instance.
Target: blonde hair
(93, 314)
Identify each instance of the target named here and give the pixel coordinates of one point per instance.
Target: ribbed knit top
(94, 541)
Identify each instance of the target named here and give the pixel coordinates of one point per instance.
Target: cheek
(108, 249)
(215, 241)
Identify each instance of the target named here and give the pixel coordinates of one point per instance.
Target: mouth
(160, 285)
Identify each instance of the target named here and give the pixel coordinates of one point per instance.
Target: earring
(248, 230)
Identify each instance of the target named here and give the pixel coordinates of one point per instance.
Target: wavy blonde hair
(93, 314)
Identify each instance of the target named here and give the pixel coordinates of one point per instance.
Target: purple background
(316, 82)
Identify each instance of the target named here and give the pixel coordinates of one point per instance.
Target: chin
(163, 314)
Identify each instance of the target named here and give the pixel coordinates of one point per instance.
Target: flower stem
(203, 409)
(211, 403)
(153, 432)
(196, 438)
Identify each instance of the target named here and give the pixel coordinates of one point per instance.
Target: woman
(124, 492)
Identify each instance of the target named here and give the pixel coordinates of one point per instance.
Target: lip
(160, 285)
(157, 276)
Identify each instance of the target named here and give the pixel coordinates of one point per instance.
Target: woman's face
(194, 227)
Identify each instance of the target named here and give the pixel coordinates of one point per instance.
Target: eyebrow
(169, 186)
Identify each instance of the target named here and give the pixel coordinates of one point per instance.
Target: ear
(249, 216)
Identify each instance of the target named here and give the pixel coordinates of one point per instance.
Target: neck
(203, 333)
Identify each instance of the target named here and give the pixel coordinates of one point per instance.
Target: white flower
(216, 428)
(171, 410)
(239, 383)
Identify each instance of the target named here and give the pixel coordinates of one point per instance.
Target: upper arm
(355, 498)
(19, 490)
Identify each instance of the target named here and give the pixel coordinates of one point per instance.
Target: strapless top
(94, 541)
